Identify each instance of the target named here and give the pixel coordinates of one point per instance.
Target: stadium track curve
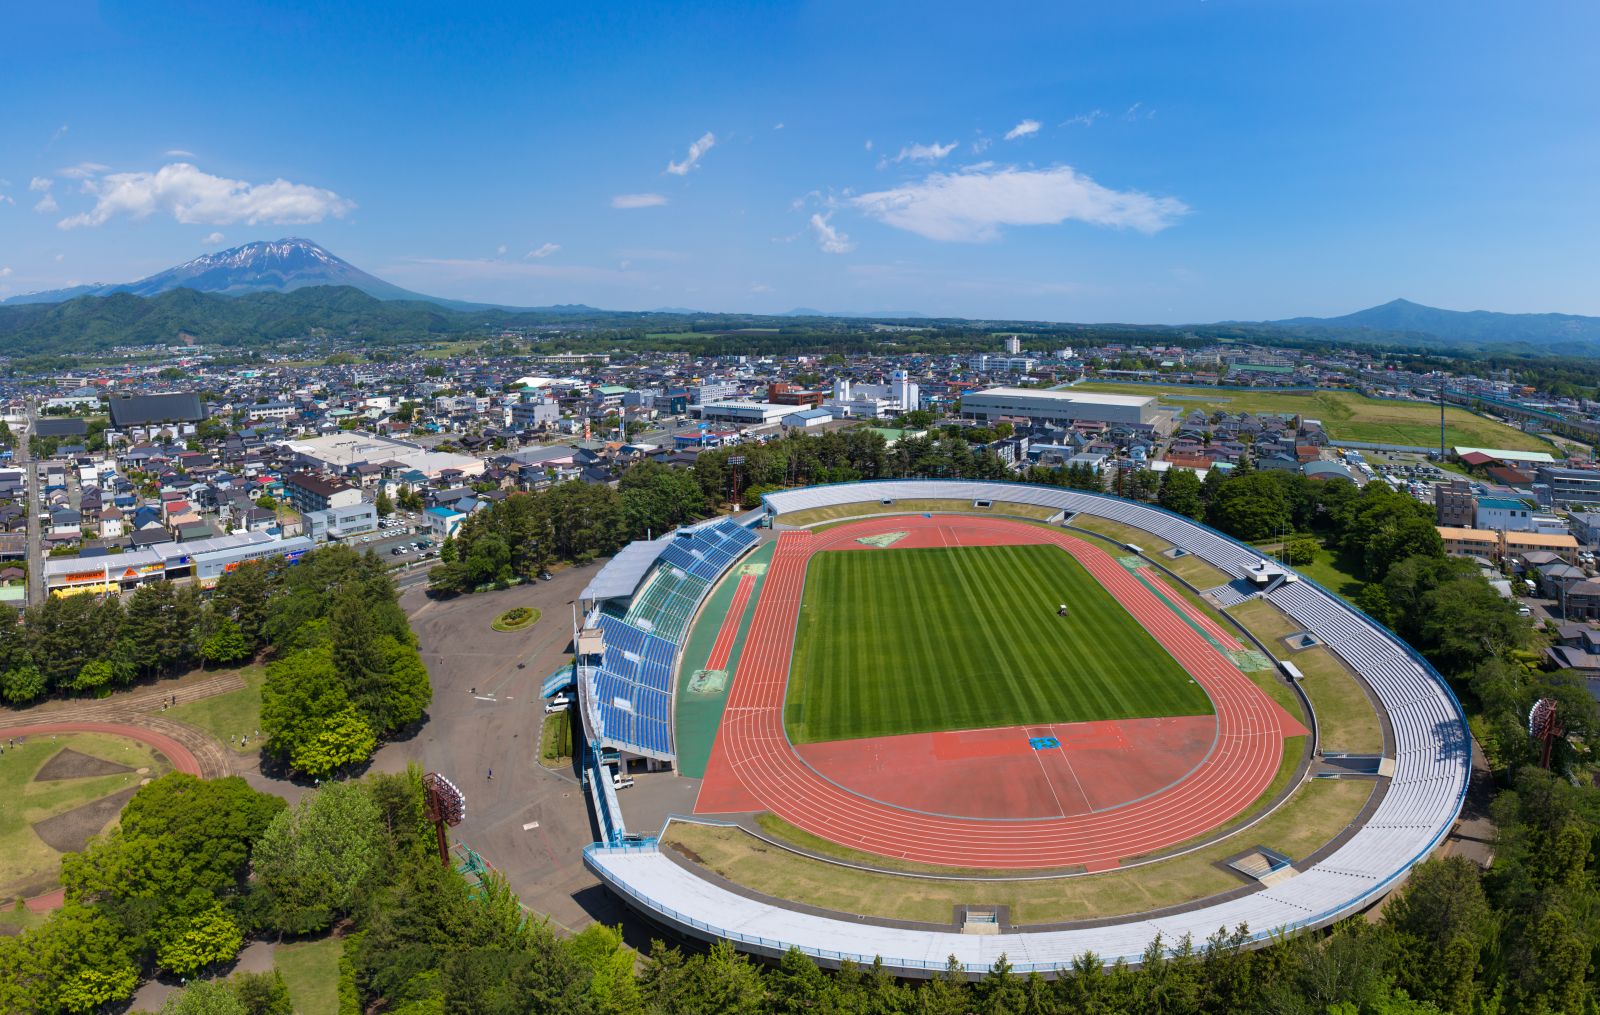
(754, 747)
(1430, 748)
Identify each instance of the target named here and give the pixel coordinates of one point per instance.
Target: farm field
(924, 640)
(1346, 415)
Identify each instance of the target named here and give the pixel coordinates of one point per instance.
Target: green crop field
(1345, 415)
(915, 641)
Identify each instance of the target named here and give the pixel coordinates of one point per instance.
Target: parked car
(557, 704)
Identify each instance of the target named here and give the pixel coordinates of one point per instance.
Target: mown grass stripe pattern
(922, 640)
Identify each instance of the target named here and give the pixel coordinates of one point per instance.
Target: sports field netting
(922, 640)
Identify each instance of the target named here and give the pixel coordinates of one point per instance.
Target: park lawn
(310, 970)
(232, 714)
(1318, 811)
(922, 640)
(863, 509)
(1346, 415)
(1337, 570)
(24, 857)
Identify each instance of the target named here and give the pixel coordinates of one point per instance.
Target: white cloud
(178, 153)
(194, 197)
(760, 287)
(46, 205)
(5, 272)
(777, 126)
(704, 144)
(981, 145)
(972, 205)
(924, 152)
(1023, 129)
(869, 144)
(83, 170)
(60, 133)
(637, 200)
(212, 239)
(60, 258)
(544, 251)
(6, 199)
(829, 239)
(500, 251)
(1084, 119)
(1137, 110)
(40, 183)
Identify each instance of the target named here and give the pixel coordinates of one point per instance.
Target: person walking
(491, 775)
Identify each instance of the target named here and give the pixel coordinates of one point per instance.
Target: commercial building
(341, 453)
(1061, 408)
(1454, 504)
(854, 400)
(1503, 513)
(340, 522)
(308, 492)
(745, 412)
(984, 363)
(131, 410)
(806, 418)
(203, 561)
(534, 412)
(1570, 486)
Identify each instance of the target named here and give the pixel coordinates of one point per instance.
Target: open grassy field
(1346, 415)
(861, 509)
(28, 864)
(233, 714)
(310, 970)
(913, 641)
(1319, 811)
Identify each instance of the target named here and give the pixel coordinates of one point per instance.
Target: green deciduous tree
(318, 862)
(198, 939)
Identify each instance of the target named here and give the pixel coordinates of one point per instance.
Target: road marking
(481, 697)
(530, 826)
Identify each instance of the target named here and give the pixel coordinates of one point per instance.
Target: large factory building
(1042, 405)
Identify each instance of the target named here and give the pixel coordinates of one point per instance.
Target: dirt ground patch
(70, 832)
(71, 764)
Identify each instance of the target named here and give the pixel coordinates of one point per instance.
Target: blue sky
(1159, 161)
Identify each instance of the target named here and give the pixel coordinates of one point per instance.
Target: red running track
(753, 758)
(181, 757)
(728, 633)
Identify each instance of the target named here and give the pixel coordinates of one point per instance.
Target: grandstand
(636, 613)
(1429, 749)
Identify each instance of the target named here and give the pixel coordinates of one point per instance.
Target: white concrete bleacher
(1430, 748)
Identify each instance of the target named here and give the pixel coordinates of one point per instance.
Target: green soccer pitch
(922, 640)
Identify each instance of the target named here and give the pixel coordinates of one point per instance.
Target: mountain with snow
(263, 266)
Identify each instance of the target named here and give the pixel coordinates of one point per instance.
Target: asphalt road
(528, 821)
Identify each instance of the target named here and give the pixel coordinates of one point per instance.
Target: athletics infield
(1043, 794)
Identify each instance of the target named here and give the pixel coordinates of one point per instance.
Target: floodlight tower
(443, 805)
(1544, 725)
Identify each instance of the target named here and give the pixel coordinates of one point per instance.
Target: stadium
(930, 721)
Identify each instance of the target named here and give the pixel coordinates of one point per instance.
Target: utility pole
(1441, 418)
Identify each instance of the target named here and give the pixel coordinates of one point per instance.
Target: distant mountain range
(253, 283)
(1551, 334)
(263, 266)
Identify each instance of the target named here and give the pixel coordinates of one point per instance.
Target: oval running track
(753, 747)
(182, 759)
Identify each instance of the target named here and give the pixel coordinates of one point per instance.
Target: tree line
(343, 670)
